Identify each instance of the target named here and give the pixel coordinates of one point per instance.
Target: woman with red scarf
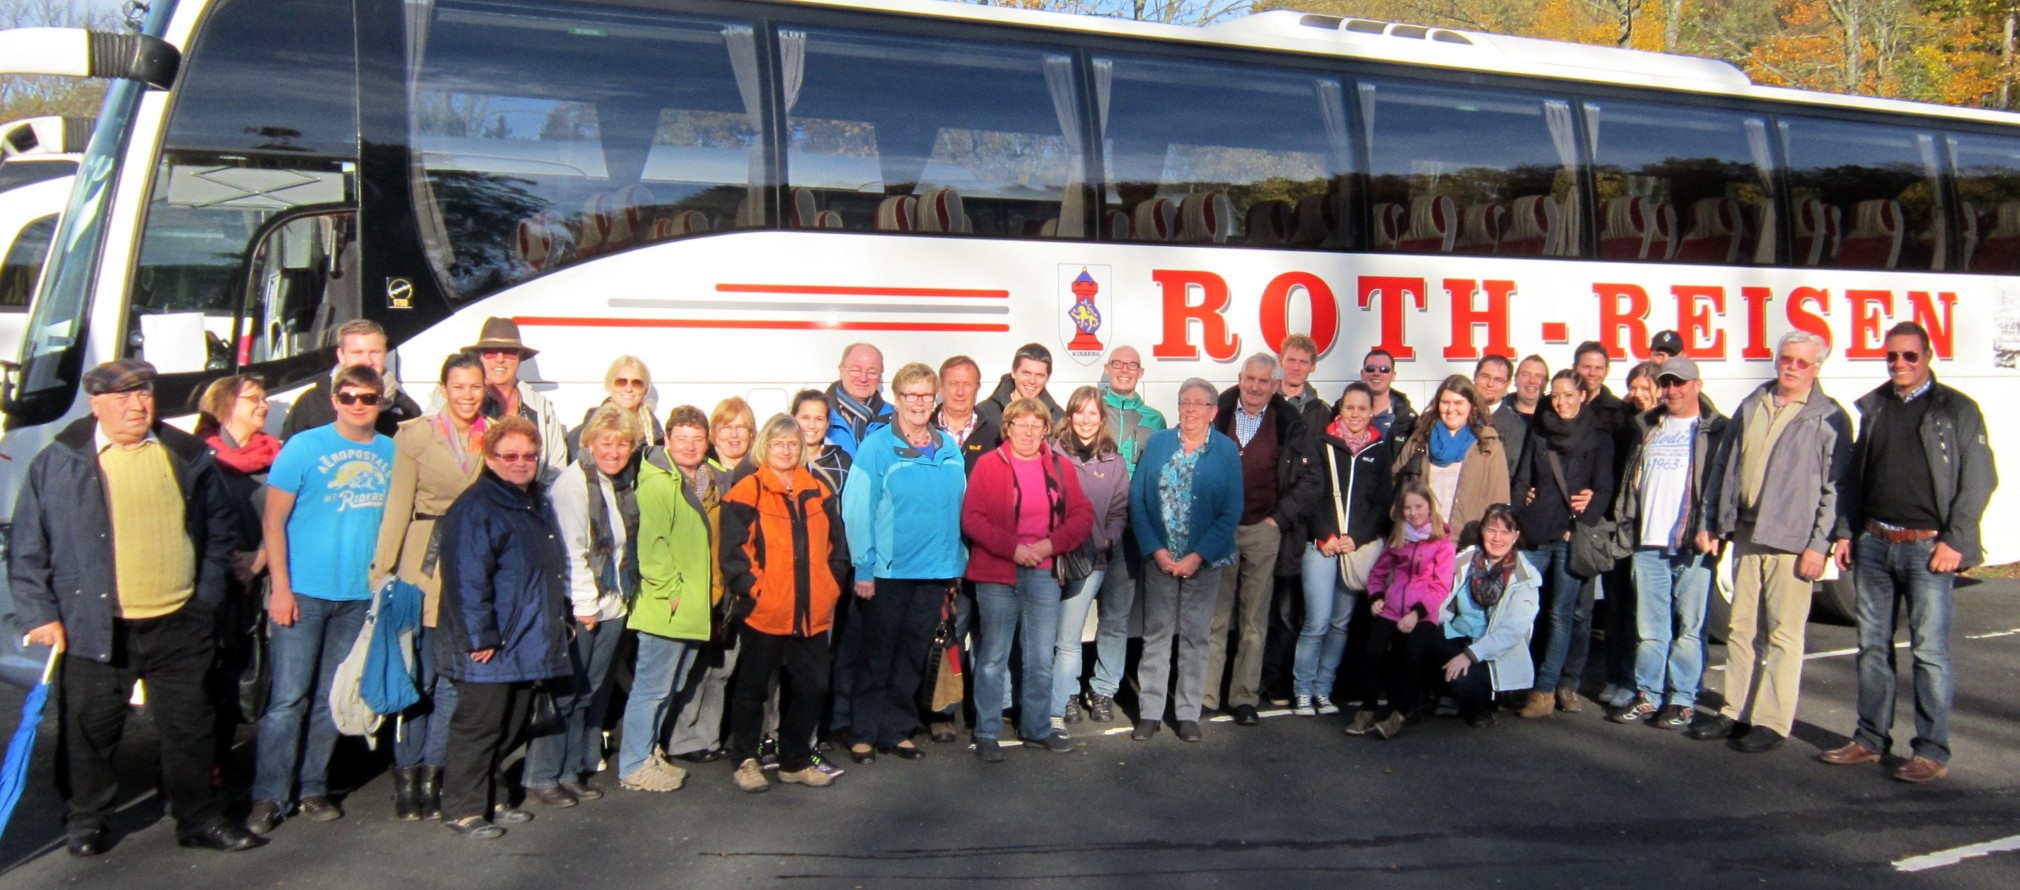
(233, 414)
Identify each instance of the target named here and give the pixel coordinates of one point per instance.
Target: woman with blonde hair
(731, 426)
(628, 385)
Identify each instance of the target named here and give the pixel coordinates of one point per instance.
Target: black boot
(428, 797)
(407, 794)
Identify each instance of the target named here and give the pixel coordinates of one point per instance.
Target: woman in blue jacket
(902, 508)
(1489, 617)
(1185, 501)
(504, 620)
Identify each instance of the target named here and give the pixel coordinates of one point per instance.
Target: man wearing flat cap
(505, 394)
(122, 541)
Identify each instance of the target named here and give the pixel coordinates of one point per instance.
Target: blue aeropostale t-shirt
(340, 493)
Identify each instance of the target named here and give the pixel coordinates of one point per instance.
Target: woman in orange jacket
(783, 558)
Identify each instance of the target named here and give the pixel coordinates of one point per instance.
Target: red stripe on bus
(760, 324)
(844, 291)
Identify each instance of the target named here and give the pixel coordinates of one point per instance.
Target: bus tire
(1836, 601)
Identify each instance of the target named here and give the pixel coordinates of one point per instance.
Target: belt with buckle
(1898, 535)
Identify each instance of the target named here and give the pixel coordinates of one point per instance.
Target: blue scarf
(1448, 447)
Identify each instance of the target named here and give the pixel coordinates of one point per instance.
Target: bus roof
(1328, 35)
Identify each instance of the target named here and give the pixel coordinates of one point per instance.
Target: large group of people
(862, 571)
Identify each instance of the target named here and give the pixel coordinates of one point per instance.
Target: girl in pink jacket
(1406, 591)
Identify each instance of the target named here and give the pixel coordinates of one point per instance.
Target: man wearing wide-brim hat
(501, 350)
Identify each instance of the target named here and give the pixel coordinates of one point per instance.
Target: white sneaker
(1059, 725)
(1323, 705)
(1302, 706)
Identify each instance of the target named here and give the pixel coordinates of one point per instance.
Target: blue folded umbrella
(14, 772)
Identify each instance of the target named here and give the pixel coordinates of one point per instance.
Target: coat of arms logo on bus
(1085, 305)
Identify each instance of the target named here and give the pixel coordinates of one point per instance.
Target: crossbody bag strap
(1557, 472)
(1339, 510)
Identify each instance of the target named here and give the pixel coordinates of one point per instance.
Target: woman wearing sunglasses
(627, 384)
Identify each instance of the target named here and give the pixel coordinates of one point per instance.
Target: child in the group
(1406, 592)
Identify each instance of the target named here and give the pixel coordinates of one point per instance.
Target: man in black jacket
(1921, 475)
(360, 341)
(1277, 482)
(122, 540)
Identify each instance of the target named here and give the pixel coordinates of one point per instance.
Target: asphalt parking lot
(1571, 801)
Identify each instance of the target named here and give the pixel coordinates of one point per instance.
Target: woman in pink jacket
(1406, 592)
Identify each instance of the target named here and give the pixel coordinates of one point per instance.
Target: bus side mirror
(75, 52)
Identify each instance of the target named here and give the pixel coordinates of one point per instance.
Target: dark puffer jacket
(504, 585)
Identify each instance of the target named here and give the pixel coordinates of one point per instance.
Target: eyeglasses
(863, 373)
(1126, 366)
(1196, 406)
(916, 398)
(516, 457)
(1671, 383)
(1029, 426)
(786, 445)
(1911, 358)
(357, 398)
(1800, 364)
(628, 382)
(1377, 369)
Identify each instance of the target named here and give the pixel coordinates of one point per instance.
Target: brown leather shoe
(1852, 754)
(1920, 769)
(1538, 705)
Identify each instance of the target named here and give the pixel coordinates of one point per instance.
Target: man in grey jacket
(1921, 476)
(1776, 500)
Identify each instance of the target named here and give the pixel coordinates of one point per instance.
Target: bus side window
(1865, 196)
(905, 133)
(264, 123)
(1987, 171)
(22, 264)
(551, 133)
(1463, 170)
(1682, 184)
(1215, 153)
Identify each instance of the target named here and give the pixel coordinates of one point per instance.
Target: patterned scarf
(1487, 578)
(858, 414)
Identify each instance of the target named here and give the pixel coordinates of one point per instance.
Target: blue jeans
(422, 736)
(1561, 596)
(1073, 611)
(1322, 641)
(1029, 610)
(1886, 574)
(662, 664)
(1669, 620)
(1111, 634)
(304, 657)
(581, 698)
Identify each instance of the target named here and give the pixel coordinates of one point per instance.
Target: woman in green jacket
(671, 615)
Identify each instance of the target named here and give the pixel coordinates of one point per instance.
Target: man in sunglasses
(1920, 477)
(360, 341)
(1393, 414)
(1776, 500)
(325, 495)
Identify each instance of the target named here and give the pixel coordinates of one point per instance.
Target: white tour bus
(734, 191)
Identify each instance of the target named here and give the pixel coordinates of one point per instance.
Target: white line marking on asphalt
(1838, 653)
(1955, 855)
(1996, 633)
(1229, 718)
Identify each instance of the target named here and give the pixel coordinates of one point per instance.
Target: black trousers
(1399, 659)
(173, 654)
(898, 625)
(488, 721)
(1473, 690)
(805, 660)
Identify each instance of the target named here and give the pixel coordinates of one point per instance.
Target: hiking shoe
(1056, 743)
(1323, 705)
(1537, 706)
(1364, 722)
(812, 777)
(1302, 706)
(1639, 712)
(1676, 717)
(1073, 714)
(1391, 726)
(1569, 702)
(768, 753)
(1101, 708)
(750, 777)
(656, 775)
(990, 750)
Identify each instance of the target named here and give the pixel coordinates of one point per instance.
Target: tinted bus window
(1681, 184)
(1863, 196)
(902, 134)
(1203, 153)
(264, 121)
(552, 133)
(1461, 170)
(22, 171)
(23, 263)
(1988, 194)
